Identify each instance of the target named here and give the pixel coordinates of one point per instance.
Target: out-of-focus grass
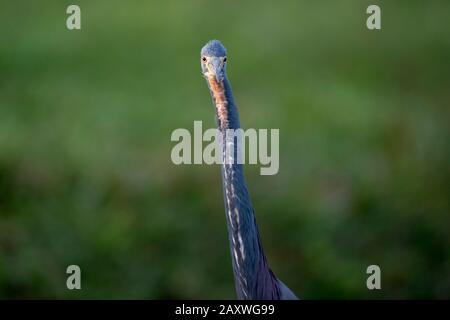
(85, 124)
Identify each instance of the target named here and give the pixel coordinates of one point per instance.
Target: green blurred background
(85, 124)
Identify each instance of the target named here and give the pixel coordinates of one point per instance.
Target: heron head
(213, 60)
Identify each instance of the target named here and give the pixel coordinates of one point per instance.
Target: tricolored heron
(252, 275)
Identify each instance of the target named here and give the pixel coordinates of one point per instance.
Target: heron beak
(216, 69)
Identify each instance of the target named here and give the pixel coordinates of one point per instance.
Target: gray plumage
(253, 277)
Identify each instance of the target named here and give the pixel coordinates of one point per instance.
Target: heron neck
(251, 272)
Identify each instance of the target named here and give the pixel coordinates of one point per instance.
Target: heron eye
(225, 59)
(204, 59)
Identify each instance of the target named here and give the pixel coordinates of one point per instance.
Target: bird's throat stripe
(220, 100)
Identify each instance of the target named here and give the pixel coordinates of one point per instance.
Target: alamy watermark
(373, 22)
(374, 280)
(74, 279)
(73, 21)
(228, 147)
